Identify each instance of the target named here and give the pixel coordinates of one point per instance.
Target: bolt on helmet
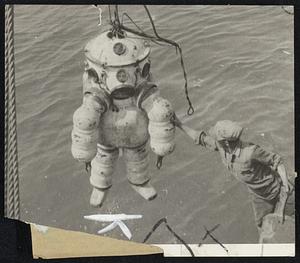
(117, 63)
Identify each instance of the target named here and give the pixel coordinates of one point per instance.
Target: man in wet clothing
(263, 172)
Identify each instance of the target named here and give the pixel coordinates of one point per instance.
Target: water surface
(239, 61)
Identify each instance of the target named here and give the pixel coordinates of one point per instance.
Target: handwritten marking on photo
(164, 220)
(117, 220)
(208, 233)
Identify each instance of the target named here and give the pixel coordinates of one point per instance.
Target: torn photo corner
(50, 242)
(136, 126)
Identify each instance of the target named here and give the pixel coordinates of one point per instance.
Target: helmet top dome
(113, 51)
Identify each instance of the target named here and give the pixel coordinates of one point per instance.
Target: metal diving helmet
(118, 63)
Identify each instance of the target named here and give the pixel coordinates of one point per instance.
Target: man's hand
(280, 206)
(288, 188)
(280, 218)
(193, 134)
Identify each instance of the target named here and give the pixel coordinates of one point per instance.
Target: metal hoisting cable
(116, 23)
(117, 18)
(11, 201)
(109, 11)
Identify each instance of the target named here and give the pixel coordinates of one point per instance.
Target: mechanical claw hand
(175, 121)
(88, 166)
(159, 161)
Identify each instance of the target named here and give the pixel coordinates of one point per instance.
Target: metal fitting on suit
(103, 166)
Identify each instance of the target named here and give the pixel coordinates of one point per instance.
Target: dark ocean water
(239, 61)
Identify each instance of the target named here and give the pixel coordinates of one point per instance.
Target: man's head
(227, 133)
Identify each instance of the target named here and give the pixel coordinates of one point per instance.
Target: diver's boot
(98, 196)
(146, 190)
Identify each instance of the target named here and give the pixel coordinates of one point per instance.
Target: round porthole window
(122, 75)
(119, 48)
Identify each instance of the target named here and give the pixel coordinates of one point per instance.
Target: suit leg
(101, 173)
(137, 171)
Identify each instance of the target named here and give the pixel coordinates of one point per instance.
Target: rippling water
(239, 61)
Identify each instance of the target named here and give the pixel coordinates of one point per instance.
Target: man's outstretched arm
(199, 137)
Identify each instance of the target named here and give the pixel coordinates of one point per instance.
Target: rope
(12, 202)
(190, 111)
(118, 27)
(6, 132)
(139, 28)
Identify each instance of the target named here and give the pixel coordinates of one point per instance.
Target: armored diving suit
(121, 109)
